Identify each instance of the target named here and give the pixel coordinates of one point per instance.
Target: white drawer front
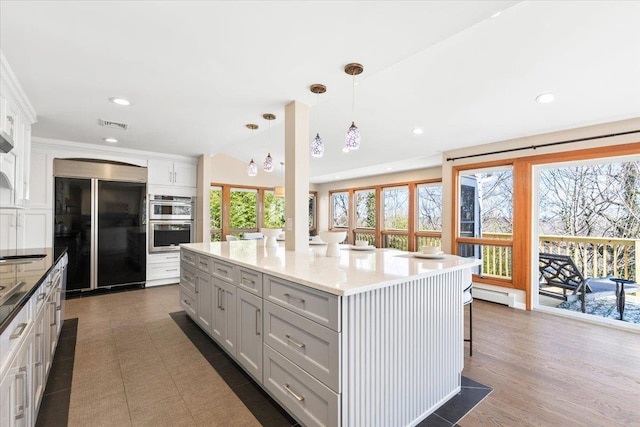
(188, 277)
(318, 306)
(304, 396)
(250, 281)
(163, 258)
(224, 271)
(163, 271)
(313, 347)
(188, 257)
(15, 333)
(188, 302)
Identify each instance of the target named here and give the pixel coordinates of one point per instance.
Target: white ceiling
(197, 72)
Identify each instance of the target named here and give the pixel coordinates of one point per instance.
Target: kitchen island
(370, 337)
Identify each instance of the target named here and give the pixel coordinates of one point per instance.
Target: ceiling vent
(112, 125)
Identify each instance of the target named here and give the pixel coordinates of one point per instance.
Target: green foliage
(215, 208)
(273, 211)
(243, 208)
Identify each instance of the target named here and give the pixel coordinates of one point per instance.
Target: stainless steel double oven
(171, 222)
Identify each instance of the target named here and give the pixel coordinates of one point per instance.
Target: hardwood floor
(547, 370)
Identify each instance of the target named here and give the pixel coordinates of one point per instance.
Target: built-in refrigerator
(100, 216)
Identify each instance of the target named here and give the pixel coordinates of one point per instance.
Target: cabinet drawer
(305, 397)
(163, 271)
(188, 257)
(250, 281)
(172, 257)
(224, 271)
(188, 277)
(318, 306)
(204, 264)
(188, 302)
(15, 333)
(312, 347)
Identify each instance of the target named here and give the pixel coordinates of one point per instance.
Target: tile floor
(127, 361)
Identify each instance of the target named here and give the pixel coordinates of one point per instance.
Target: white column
(296, 176)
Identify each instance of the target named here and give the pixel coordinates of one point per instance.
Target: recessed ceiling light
(495, 15)
(345, 149)
(337, 177)
(417, 131)
(389, 169)
(120, 101)
(110, 140)
(545, 98)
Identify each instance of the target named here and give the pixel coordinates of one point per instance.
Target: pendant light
(317, 146)
(268, 161)
(352, 140)
(252, 168)
(279, 191)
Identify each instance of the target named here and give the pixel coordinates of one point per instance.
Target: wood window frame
(523, 205)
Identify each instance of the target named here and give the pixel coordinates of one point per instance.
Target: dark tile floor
(269, 413)
(54, 409)
(260, 404)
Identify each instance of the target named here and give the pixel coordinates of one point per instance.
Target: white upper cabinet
(16, 117)
(163, 172)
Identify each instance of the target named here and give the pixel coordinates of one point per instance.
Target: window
(396, 217)
(429, 215)
(430, 207)
(340, 210)
(243, 209)
(365, 208)
(313, 197)
(215, 213)
(485, 219)
(236, 210)
(273, 210)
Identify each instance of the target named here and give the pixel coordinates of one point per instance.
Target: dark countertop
(30, 275)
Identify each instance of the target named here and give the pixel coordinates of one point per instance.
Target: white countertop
(350, 273)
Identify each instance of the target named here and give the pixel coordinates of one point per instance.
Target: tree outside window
(430, 207)
(365, 208)
(274, 213)
(243, 209)
(396, 208)
(215, 213)
(340, 210)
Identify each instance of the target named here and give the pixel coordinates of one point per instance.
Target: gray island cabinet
(369, 338)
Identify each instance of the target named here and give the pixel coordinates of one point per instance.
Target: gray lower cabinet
(223, 328)
(285, 335)
(204, 311)
(249, 333)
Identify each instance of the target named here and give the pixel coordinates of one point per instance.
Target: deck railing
(594, 256)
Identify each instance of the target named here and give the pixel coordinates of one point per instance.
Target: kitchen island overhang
(399, 351)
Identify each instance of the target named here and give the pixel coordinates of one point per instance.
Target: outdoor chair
(561, 272)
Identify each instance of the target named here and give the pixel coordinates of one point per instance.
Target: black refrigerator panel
(121, 257)
(72, 228)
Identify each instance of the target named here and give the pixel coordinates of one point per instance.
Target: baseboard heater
(500, 297)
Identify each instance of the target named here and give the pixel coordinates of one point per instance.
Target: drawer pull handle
(223, 271)
(41, 297)
(257, 317)
(187, 302)
(18, 331)
(22, 374)
(171, 269)
(294, 297)
(296, 343)
(222, 295)
(248, 281)
(292, 393)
